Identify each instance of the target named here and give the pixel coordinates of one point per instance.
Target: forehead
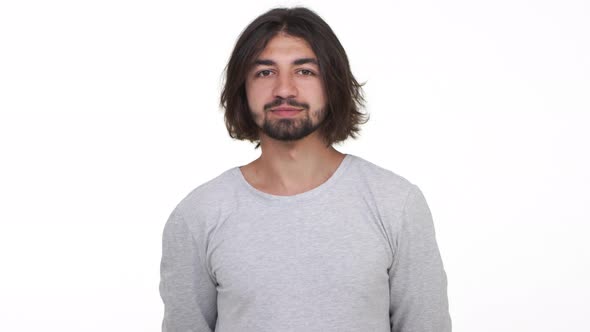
(287, 46)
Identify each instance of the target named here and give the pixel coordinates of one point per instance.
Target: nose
(285, 87)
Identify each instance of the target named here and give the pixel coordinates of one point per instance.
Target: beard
(291, 129)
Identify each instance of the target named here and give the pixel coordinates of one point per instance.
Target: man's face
(285, 91)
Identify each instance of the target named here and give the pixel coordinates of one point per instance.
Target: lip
(285, 109)
(287, 112)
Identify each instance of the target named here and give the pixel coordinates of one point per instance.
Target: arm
(187, 290)
(418, 282)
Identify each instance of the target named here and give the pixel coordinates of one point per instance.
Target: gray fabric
(357, 253)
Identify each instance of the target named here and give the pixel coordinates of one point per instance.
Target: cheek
(255, 104)
(317, 95)
(255, 96)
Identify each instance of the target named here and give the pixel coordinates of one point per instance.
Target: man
(304, 238)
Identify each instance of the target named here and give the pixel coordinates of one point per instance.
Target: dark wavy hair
(344, 94)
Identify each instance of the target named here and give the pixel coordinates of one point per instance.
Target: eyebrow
(297, 62)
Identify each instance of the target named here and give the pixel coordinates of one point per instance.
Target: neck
(289, 168)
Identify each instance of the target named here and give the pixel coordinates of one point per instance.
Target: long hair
(344, 94)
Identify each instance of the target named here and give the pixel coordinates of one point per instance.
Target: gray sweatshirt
(357, 253)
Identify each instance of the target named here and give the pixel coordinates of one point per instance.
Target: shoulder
(383, 184)
(208, 201)
(389, 195)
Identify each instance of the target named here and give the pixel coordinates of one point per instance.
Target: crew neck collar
(298, 197)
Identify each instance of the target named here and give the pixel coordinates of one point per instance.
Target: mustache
(288, 101)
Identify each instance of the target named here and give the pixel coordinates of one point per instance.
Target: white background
(109, 116)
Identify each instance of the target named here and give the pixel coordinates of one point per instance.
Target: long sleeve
(418, 282)
(187, 289)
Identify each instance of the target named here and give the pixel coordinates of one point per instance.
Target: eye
(263, 73)
(306, 72)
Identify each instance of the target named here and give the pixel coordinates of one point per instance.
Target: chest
(301, 254)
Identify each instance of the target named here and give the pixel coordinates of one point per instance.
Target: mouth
(286, 111)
